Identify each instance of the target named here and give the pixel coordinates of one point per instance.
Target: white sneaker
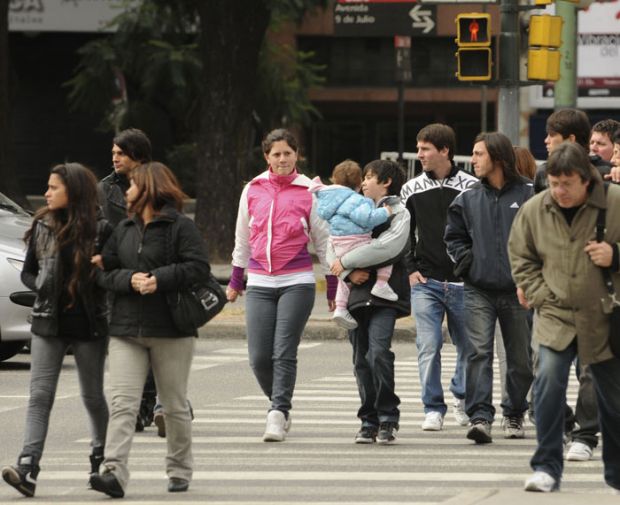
(541, 482)
(384, 291)
(277, 426)
(433, 421)
(344, 319)
(458, 409)
(578, 451)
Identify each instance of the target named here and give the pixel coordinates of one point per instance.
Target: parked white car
(14, 317)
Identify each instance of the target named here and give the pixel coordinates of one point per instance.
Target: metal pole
(401, 120)
(565, 93)
(508, 105)
(484, 102)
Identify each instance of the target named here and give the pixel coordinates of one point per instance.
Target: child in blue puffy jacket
(351, 217)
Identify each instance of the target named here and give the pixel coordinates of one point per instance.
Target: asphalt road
(318, 464)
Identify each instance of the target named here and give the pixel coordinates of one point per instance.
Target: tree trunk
(232, 32)
(9, 184)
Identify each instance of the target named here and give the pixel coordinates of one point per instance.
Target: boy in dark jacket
(372, 358)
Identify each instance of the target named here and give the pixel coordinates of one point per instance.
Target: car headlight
(16, 264)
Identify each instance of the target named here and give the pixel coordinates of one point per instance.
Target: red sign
(401, 41)
(377, 1)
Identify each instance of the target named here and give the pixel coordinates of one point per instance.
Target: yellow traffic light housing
(473, 40)
(474, 64)
(473, 29)
(543, 56)
(545, 31)
(543, 64)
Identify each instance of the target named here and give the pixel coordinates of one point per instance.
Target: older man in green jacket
(556, 264)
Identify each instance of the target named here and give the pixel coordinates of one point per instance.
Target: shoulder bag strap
(600, 236)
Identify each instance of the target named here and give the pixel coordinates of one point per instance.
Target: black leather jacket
(41, 273)
(111, 191)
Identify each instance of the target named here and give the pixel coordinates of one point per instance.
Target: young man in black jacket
(570, 125)
(476, 236)
(435, 289)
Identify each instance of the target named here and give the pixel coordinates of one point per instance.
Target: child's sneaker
(22, 476)
(344, 319)
(383, 290)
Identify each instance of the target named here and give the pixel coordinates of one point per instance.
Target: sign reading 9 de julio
(383, 18)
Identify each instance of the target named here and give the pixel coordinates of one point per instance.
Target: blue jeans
(47, 355)
(275, 319)
(485, 309)
(430, 302)
(550, 398)
(373, 363)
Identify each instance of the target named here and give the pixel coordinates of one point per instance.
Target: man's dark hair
(500, 151)
(567, 159)
(568, 122)
(607, 126)
(134, 144)
(385, 170)
(616, 137)
(440, 135)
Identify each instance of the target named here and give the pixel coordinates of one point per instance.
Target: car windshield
(9, 205)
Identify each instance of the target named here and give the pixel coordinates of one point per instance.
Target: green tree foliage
(156, 71)
(9, 184)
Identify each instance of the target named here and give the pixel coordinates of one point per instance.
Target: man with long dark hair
(476, 235)
(130, 148)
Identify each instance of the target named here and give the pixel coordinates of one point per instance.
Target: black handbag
(614, 318)
(193, 307)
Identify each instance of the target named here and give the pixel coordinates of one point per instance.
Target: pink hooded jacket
(276, 220)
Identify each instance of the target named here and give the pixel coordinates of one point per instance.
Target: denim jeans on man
(373, 363)
(484, 308)
(430, 301)
(275, 319)
(47, 355)
(550, 394)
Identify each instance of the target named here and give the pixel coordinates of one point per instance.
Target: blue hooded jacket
(347, 212)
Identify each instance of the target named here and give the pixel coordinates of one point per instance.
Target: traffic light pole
(508, 112)
(565, 91)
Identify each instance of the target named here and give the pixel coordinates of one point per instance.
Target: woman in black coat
(155, 252)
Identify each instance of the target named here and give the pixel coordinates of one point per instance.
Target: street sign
(402, 46)
(383, 19)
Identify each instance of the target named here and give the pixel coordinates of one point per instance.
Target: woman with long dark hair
(69, 310)
(157, 250)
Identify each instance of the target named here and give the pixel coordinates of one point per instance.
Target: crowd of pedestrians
(513, 257)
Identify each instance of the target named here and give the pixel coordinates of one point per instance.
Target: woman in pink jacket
(276, 220)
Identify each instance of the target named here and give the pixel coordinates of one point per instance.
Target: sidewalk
(230, 323)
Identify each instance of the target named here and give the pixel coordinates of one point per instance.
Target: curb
(315, 330)
(226, 326)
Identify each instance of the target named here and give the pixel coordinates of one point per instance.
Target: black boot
(22, 476)
(107, 483)
(96, 458)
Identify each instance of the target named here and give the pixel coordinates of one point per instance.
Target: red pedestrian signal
(473, 29)
(473, 38)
